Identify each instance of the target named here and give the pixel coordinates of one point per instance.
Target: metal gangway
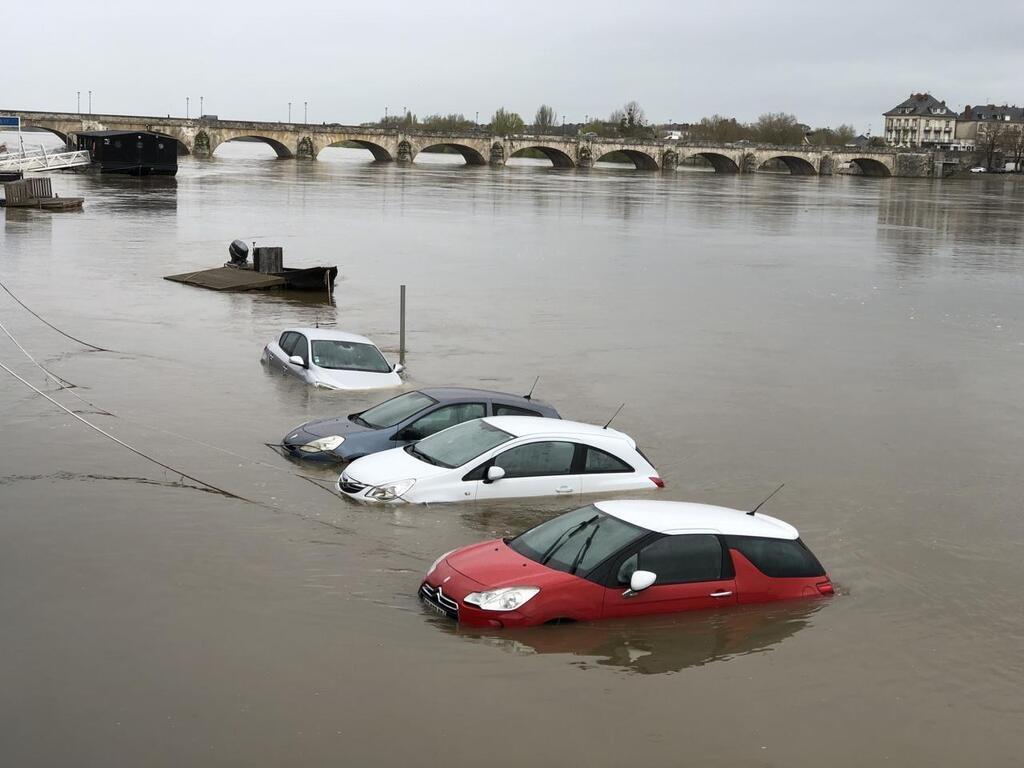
(43, 160)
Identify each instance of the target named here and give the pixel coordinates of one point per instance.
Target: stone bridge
(202, 136)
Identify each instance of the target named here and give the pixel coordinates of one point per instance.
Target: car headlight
(507, 599)
(437, 562)
(328, 443)
(323, 385)
(390, 491)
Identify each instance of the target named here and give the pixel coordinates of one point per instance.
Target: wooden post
(401, 325)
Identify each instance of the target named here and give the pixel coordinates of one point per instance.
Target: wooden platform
(229, 279)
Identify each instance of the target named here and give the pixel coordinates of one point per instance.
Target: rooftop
(923, 104)
(521, 426)
(685, 517)
(327, 334)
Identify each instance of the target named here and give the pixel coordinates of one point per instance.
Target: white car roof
(528, 426)
(674, 517)
(325, 334)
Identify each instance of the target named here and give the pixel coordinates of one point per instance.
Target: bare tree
(630, 120)
(544, 120)
(505, 123)
(991, 141)
(1014, 143)
(778, 128)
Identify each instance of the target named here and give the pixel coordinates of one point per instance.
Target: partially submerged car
(502, 457)
(617, 559)
(331, 359)
(403, 419)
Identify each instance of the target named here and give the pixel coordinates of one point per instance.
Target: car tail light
(657, 481)
(825, 588)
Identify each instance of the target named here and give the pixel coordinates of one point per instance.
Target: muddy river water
(861, 340)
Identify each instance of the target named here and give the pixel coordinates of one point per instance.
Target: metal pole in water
(401, 325)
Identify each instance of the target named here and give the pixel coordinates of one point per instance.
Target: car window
(442, 418)
(286, 342)
(602, 461)
(501, 409)
(537, 459)
(397, 409)
(677, 559)
(348, 356)
(778, 558)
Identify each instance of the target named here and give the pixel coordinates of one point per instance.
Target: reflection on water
(656, 645)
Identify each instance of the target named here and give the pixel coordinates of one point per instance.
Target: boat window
(576, 542)
(397, 409)
(456, 445)
(349, 356)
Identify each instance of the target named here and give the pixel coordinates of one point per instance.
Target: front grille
(348, 485)
(438, 599)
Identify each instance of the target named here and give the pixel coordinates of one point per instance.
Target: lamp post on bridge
(186, 108)
(200, 106)
(90, 102)
(305, 113)
(79, 101)
(289, 111)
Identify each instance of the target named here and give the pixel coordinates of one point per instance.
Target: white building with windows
(921, 121)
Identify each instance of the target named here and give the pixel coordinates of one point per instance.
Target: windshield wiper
(566, 535)
(356, 418)
(422, 456)
(583, 550)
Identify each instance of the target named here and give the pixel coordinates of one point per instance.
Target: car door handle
(564, 489)
(721, 593)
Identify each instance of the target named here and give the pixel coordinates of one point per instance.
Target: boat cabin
(136, 152)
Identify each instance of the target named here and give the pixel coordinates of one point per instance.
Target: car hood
(494, 564)
(312, 430)
(389, 466)
(354, 379)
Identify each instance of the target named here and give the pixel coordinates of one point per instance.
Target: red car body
(601, 594)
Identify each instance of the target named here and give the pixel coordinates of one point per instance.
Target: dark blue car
(403, 419)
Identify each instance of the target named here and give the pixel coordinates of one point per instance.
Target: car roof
(449, 393)
(676, 517)
(527, 426)
(326, 334)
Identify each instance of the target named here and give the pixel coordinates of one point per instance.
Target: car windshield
(576, 542)
(397, 409)
(456, 445)
(349, 356)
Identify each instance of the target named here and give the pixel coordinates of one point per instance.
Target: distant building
(921, 121)
(976, 124)
(859, 142)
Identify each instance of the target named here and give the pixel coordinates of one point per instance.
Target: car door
(279, 352)
(538, 468)
(441, 417)
(300, 347)
(693, 572)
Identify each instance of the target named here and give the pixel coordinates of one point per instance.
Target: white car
(502, 457)
(331, 359)
(979, 169)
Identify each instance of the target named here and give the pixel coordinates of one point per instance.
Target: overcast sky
(827, 63)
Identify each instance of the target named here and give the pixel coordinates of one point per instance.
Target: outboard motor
(239, 251)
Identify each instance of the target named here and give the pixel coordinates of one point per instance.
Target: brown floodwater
(861, 340)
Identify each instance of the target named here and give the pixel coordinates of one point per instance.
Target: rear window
(501, 409)
(778, 558)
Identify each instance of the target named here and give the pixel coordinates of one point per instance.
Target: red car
(624, 558)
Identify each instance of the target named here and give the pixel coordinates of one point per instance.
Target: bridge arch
(380, 153)
(558, 158)
(59, 134)
(721, 163)
(279, 147)
(869, 166)
(470, 155)
(641, 160)
(797, 166)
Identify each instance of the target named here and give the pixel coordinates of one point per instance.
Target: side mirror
(397, 367)
(639, 581)
(494, 473)
(296, 360)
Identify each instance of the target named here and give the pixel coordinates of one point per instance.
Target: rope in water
(123, 444)
(51, 325)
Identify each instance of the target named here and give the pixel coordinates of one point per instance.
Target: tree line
(629, 121)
